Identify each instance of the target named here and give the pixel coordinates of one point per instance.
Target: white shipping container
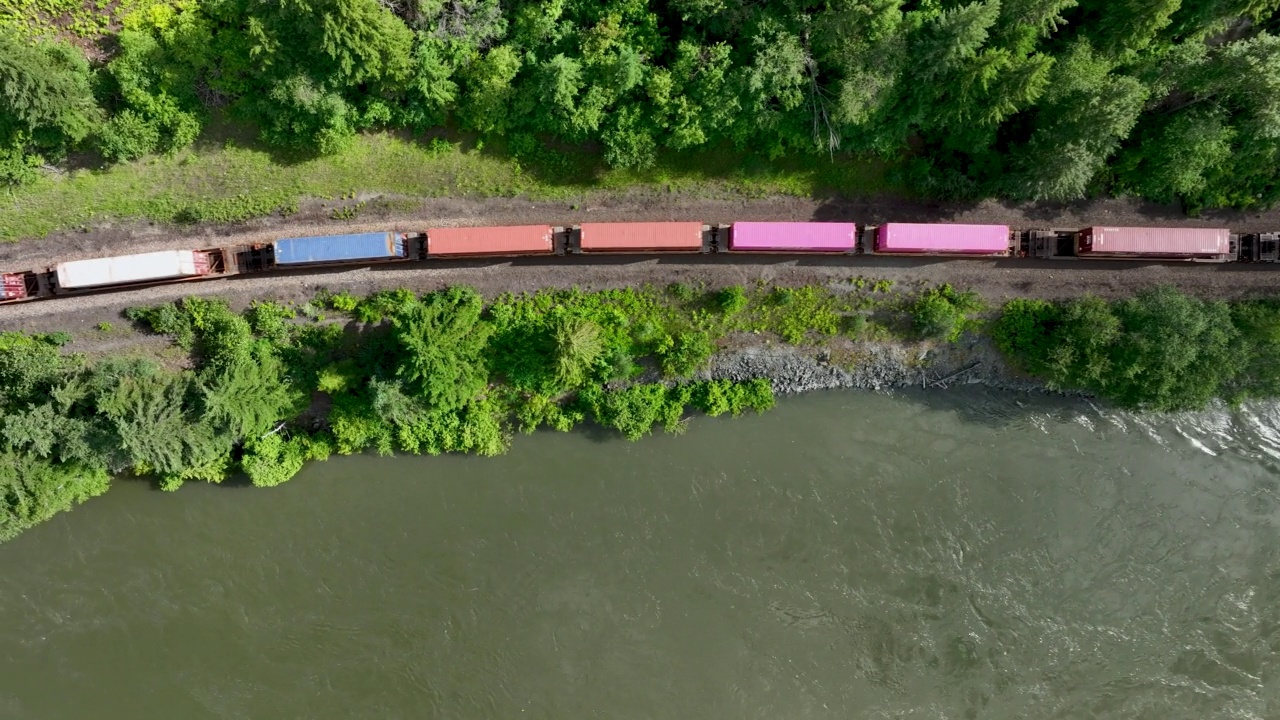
(132, 268)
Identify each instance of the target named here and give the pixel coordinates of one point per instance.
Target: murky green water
(963, 555)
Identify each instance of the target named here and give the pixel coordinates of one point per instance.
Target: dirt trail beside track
(994, 279)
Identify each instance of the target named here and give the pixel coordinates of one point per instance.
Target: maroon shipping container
(480, 241)
(13, 286)
(1174, 243)
(641, 237)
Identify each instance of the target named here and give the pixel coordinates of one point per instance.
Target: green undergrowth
(222, 180)
(1160, 350)
(259, 392)
(82, 19)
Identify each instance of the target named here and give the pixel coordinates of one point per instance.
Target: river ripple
(849, 555)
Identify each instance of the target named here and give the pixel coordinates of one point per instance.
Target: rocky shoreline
(872, 366)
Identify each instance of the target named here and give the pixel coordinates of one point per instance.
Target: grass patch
(229, 178)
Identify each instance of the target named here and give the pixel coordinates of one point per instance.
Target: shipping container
(481, 241)
(792, 237)
(643, 237)
(1172, 243)
(942, 239)
(128, 269)
(13, 286)
(326, 249)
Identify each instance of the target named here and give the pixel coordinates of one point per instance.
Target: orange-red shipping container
(481, 241)
(642, 237)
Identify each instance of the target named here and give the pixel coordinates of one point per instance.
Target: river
(964, 554)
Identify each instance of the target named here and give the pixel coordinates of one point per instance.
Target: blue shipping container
(339, 248)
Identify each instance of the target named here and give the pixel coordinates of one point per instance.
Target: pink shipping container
(942, 239)
(792, 237)
(1185, 243)
(511, 240)
(641, 237)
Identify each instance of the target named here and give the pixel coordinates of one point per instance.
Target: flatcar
(329, 250)
(953, 240)
(1211, 245)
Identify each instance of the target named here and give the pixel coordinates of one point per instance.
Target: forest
(1055, 100)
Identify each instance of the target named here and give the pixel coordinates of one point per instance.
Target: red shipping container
(13, 286)
(508, 240)
(641, 237)
(1207, 243)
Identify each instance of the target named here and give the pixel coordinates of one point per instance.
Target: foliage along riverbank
(262, 391)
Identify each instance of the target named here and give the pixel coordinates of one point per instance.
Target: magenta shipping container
(792, 237)
(938, 239)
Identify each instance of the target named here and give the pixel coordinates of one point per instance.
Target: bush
(33, 490)
(273, 460)
(344, 302)
(1160, 350)
(633, 411)
(681, 292)
(1023, 331)
(717, 397)
(128, 136)
(940, 313)
(271, 320)
(685, 353)
(793, 313)
(732, 300)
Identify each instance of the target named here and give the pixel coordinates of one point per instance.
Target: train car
(1260, 247)
(19, 286)
(942, 239)
(322, 250)
(792, 237)
(647, 237)
(1197, 244)
(124, 270)
(514, 240)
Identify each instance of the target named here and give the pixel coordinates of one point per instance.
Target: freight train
(1098, 243)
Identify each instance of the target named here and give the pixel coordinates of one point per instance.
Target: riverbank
(205, 390)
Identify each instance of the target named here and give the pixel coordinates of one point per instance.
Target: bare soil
(995, 280)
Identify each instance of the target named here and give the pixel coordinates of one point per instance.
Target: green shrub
(270, 320)
(681, 292)
(272, 460)
(1160, 350)
(634, 410)
(717, 397)
(940, 313)
(344, 302)
(857, 326)
(686, 353)
(796, 312)
(732, 300)
(165, 319)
